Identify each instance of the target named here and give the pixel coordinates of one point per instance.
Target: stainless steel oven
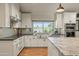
(70, 29)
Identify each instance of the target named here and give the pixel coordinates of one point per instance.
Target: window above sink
(43, 26)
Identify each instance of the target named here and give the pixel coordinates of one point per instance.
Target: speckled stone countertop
(69, 46)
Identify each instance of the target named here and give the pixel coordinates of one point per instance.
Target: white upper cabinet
(7, 10)
(63, 18)
(26, 20)
(69, 17)
(15, 10)
(15, 15)
(4, 15)
(59, 20)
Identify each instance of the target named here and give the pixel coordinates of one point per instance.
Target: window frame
(44, 21)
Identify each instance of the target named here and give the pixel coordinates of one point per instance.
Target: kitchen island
(68, 46)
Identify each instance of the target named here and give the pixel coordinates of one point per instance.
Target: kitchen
(34, 25)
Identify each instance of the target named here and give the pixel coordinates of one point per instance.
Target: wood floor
(34, 52)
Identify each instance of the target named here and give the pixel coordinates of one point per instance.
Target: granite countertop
(11, 38)
(69, 46)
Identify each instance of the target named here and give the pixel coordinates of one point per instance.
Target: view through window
(43, 26)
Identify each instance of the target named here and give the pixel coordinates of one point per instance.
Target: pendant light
(60, 8)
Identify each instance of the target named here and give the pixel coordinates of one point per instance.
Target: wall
(5, 32)
(42, 17)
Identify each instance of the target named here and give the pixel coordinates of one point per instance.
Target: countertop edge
(56, 47)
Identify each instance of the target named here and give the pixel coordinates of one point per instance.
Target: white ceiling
(46, 10)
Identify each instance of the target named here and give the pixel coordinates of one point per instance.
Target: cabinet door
(66, 17)
(13, 10)
(26, 20)
(4, 15)
(59, 20)
(30, 41)
(17, 10)
(16, 46)
(41, 42)
(21, 43)
(27, 41)
(7, 15)
(6, 48)
(15, 49)
(69, 17)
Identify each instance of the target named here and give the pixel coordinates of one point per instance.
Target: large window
(43, 26)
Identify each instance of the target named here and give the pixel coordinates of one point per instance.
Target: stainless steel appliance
(70, 29)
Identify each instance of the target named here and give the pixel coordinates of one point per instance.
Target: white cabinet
(31, 41)
(18, 11)
(18, 45)
(15, 47)
(69, 17)
(15, 15)
(6, 48)
(7, 10)
(62, 19)
(12, 47)
(59, 23)
(27, 41)
(15, 10)
(59, 20)
(26, 20)
(4, 15)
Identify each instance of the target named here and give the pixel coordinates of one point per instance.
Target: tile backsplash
(5, 32)
(27, 31)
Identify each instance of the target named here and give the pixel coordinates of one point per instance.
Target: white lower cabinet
(18, 45)
(15, 46)
(6, 48)
(31, 41)
(11, 48)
